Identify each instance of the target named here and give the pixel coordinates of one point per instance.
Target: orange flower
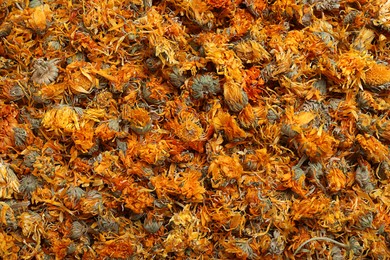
(374, 150)
(309, 208)
(224, 121)
(224, 169)
(336, 179)
(139, 119)
(316, 144)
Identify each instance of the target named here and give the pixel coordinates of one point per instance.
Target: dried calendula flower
(363, 176)
(61, 120)
(45, 72)
(336, 179)
(383, 19)
(28, 184)
(378, 77)
(138, 118)
(202, 85)
(234, 96)
(78, 229)
(223, 121)
(251, 51)
(9, 183)
(374, 150)
(151, 224)
(225, 169)
(40, 18)
(12, 91)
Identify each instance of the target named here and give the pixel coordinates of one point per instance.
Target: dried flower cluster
(194, 129)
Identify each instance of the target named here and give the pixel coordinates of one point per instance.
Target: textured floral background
(194, 129)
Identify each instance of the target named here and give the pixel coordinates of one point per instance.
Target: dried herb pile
(194, 129)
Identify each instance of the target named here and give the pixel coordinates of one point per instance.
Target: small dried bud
(363, 177)
(139, 119)
(176, 77)
(30, 158)
(203, 85)
(9, 182)
(277, 244)
(365, 221)
(153, 64)
(28, 184)
(152, 225)
(35, 3)
(20, 136)
(45, 72)
(5, 29)
(12, 92)
(108, 224)
(235, 97)
(78, 229)
(336, 253)
(75, 193)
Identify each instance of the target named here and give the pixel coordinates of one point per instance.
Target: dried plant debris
(194, 129)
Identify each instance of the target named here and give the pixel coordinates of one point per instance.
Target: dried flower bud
(9, 183)
(153, 64)
(234, 96)
(336, 253)
(31, 224)
(45, 72)
(30, 158)
(277, 244)
(75, 193)
(12, 92)
(363, 176)
(8, 217)
(139, 119)
(5, 29)
(92, 203)
(35, 3)
(176, 77)
(20, 135)
(365, 221)
(152, 225)
(108, 223)
(28, 184)
(204, 84)
(78, 229)
(384, 171)
(355, 246)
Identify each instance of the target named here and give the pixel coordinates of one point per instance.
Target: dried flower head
(11, 91)
(383, 19)
(203, 85)
(61, 120)
(234, 96)
(373, 149)
(28, 184)
(225, 169)
(377, 77)
(9, 183)
(108, 223)
(152, 225)
(363, 176)
(138, 118)
(176, 77)
(78, 229)
(45, 72)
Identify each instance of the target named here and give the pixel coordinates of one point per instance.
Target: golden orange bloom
(225, 169)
